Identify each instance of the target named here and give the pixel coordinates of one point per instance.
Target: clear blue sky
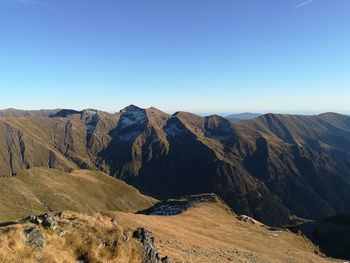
(194, 55)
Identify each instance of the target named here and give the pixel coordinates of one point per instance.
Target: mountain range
(243, 116)
(279, 169)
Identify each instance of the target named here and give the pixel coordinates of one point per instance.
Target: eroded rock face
(150, 254)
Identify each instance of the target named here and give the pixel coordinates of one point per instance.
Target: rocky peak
(131, 108)
(131, 116)
(89, 112)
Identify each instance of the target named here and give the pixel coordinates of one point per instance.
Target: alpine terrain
(273, 170)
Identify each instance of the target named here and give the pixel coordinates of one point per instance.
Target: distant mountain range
(243, 116)
(276, 168)
(27, 113)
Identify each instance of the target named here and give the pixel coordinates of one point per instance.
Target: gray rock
(34, 238)
(166, 260)
(150, 254)
(33, 219)
(48, 222)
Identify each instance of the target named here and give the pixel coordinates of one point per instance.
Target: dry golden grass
(206, 233)
(210, 233)
(96, 238)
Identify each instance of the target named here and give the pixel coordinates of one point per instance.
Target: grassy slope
(209, 232)
(206, 233)
(38, 190)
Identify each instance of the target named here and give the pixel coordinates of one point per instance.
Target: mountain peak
(131, 108)
(90, 110)
(64, 113)
(331, 114)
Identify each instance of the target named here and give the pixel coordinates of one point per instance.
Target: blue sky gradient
(203, 56)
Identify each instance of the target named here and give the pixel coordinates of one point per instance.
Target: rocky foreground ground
(198, 229)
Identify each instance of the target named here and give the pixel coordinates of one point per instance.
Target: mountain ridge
(256, 166)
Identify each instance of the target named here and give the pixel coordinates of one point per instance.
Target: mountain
(40, 190)
(55, 142)
(205, 231)
(243, 116)
(27, 113)
(275, 168)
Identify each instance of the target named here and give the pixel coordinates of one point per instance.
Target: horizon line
(223, 113)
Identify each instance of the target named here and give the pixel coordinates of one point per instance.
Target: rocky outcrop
(46, 220)
(150, 254)
(34, 238)
(172, 207)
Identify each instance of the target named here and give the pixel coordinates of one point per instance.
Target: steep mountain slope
(255, 171)
(68, 142)
(199, 155)
(41, 190)
(275, 168)
(205, 232)
(313, 169)
(330, 131)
